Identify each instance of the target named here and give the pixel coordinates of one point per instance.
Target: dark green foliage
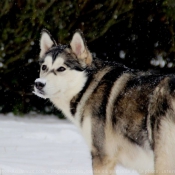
(138, 33)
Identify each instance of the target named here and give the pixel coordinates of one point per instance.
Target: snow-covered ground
(43, 145)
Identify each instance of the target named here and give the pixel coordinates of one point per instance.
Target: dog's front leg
(103, 165)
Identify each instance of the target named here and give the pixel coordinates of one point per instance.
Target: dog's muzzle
(39, 88)
(40, 83)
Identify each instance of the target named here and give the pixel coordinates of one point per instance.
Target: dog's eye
(61, 69)
(44, 67)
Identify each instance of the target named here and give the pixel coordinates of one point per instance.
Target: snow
(43, 145)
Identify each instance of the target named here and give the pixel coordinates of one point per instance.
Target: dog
(126, 116)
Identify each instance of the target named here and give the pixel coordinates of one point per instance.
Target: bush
(138, 33)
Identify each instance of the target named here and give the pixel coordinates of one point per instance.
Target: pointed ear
(79, 48)
(46, 42)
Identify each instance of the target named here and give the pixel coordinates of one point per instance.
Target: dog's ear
(46, 42)
(79, 48)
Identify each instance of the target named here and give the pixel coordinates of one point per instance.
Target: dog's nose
(39, 85)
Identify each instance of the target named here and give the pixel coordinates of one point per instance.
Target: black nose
(39, 85)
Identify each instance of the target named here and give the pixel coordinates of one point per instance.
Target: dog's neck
(66, 100)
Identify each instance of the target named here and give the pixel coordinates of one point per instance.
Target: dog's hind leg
(165, 147)
(103, 165)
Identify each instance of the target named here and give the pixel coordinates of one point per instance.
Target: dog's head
(62, 71)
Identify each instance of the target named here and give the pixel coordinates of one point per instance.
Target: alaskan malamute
(127, 117)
